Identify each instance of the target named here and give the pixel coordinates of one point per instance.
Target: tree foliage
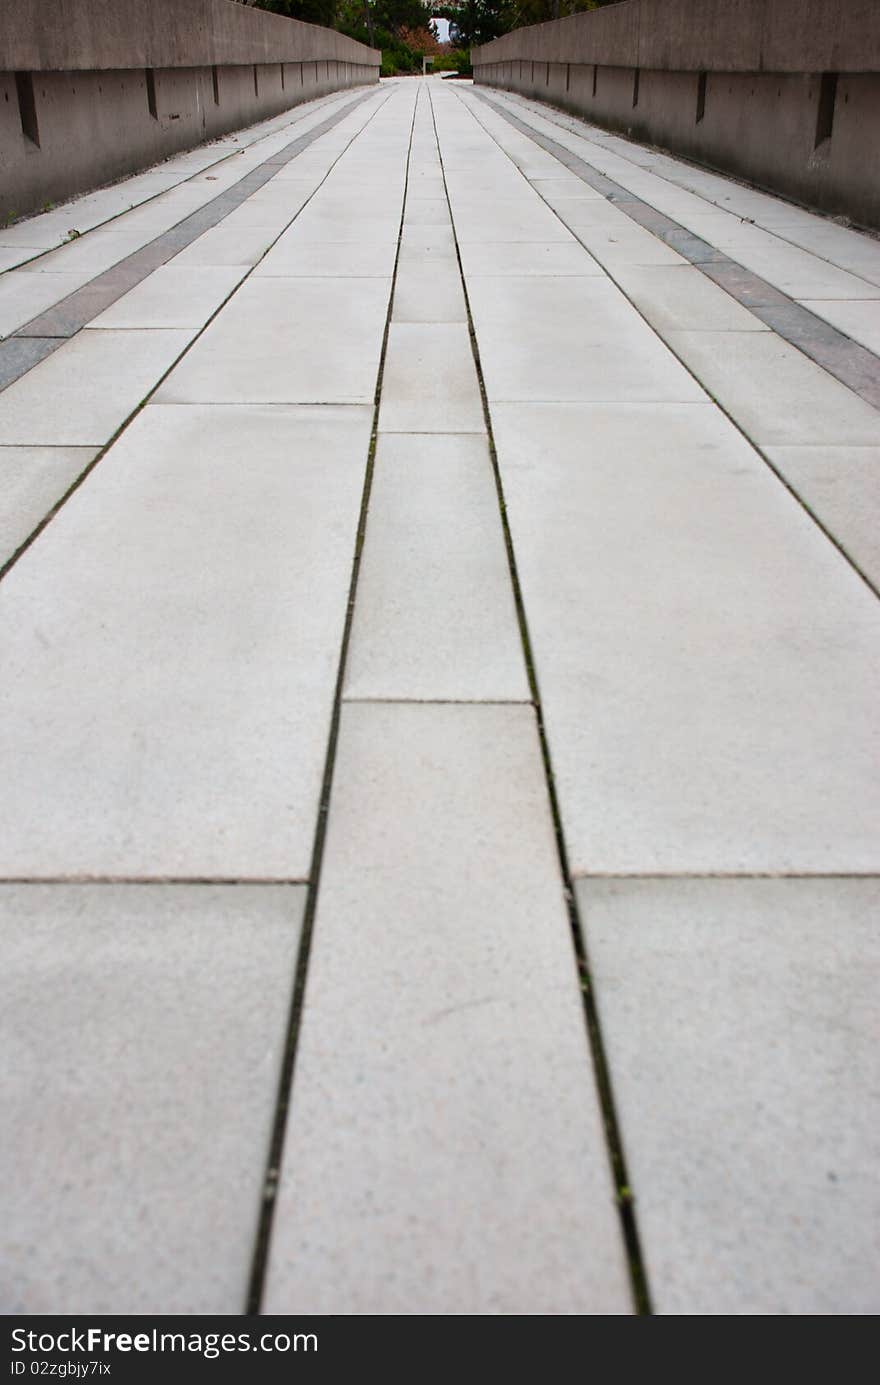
(402, 28)
(310, 11)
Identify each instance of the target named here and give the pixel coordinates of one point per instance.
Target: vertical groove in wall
(150, 78)
(701, 97)
(827, 102)
(27, 107)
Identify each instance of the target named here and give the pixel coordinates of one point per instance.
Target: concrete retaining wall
(784, 93)
(93, 89)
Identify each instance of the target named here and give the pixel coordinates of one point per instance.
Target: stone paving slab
(739, 1017)
(171, 721)
(81, 395)
(430, 384)
(240, 245)
(435, 617)
(842, 486)
(778, 396)
(681, 298)
(172, 297)
(564, 355)
(478, 218)
(32, 481)
(288, 341)
(291, 257)
(20, 354)
(91, 254)
(706, 661)
(516, 258)
(138, 1109)
(23, 295)
(432, 294)
(859, 319)
(444, 1151)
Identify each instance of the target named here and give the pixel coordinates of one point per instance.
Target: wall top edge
(100, 35)
(704, 36)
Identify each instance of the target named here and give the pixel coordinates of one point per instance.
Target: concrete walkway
(439, 731)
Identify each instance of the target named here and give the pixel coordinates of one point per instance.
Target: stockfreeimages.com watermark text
(91, 1341)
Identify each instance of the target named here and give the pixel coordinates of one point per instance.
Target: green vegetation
(404, 31)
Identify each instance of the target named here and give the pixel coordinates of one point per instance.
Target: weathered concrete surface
(738, 87)
(113, 85)
(704, 36)
(97, 35)
(138, 1105)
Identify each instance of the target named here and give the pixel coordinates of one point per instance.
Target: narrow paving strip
(429, 618)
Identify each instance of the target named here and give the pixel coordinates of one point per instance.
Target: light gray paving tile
(427, 244)
(595, 213)
(707, 659)
(426, 211)
(841, 485)
(528, 257)
(428, 293)
(10, 257)
(288, 341)
(522, 218)
(20, 354)
(429, 384)
(24, 295)
(444, 1151)
(848, 249)
(435, 617)
(93, 252)
(630, 244)
(426, 184)
(32, 481)
(222, 245)
(680, 297)
(143, 1028)
(324, 223)
(84, 391)
(306, 167)
(857, 318)
(794, 271)
(270, 207)
(171, 647)
(549, 338)
(293, 257)
(775, 393)
(565, 186)
(173, 297)
(740, 1019)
